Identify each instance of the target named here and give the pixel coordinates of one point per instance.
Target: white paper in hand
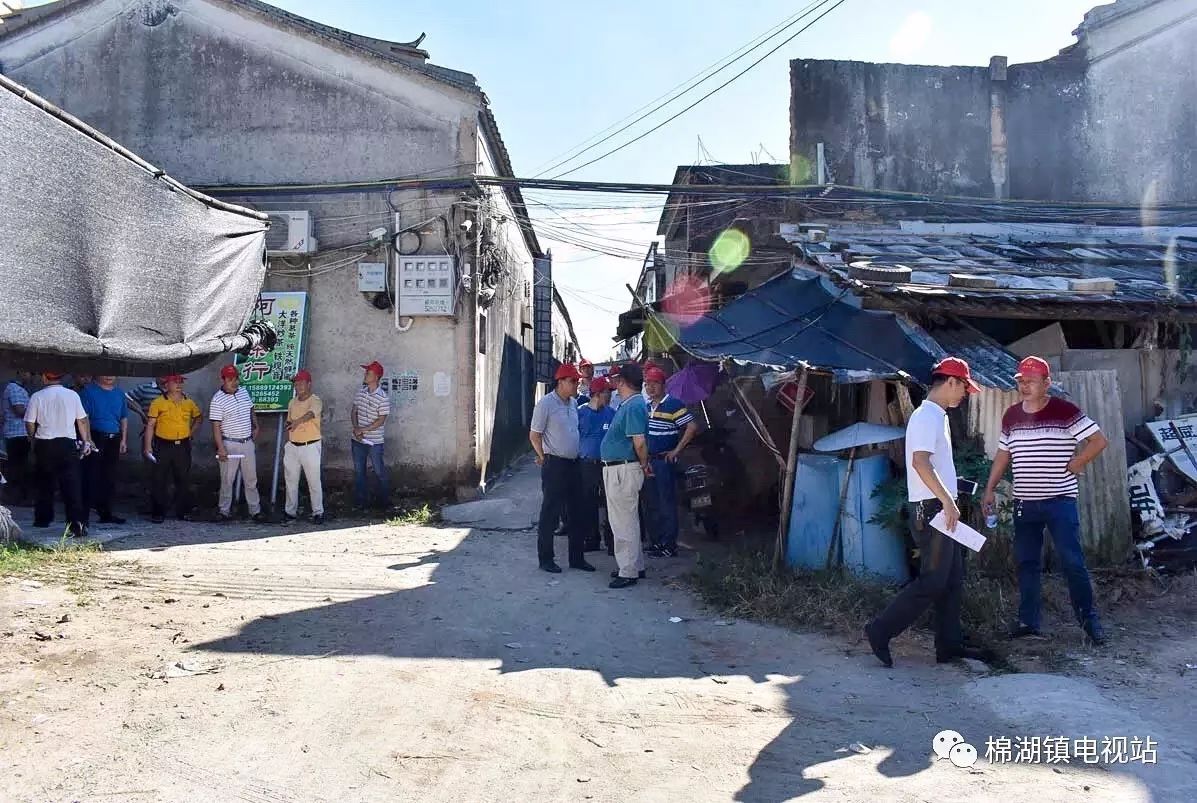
(963, 534)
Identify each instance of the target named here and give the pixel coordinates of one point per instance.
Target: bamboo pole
(761, 430)
(787, 504)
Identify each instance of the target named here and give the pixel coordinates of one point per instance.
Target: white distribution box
(425, 284)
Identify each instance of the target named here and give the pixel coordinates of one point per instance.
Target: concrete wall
(1111, 119)
(214, 95)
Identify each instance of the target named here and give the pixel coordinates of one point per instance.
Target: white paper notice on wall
(441, 384)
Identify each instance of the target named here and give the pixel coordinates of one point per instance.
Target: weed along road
(395, 662)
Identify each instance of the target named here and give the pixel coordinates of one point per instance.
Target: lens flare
(687, 300)
(729, 251)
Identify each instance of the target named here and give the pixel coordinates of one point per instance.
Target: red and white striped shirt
(1041, 445)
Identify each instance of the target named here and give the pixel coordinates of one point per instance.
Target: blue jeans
(373, 453)
(662, 503)
(1060, 517)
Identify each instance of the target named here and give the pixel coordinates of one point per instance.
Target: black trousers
(590, 500)
(173, 466)
(16, 470)
(99, 474)
(940, 584)
(560, 483)
(56, 465)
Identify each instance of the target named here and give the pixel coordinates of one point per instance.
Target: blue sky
(559, 72)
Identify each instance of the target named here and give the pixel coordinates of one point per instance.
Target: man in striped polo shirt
(368, 416)
(670, 430)
(234, 429)
(1039, 437)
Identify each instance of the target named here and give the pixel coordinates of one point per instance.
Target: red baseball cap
(229, 372)
(567, 370)
(175, 378)
(599, 384)
(954, 366)
(1033, 366)
(375, 368)
(583, 363)
(654, 374)
(53, 375)
(303, 374)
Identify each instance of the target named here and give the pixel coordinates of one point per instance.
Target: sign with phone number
(266, 375)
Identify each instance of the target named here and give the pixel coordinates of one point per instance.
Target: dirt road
(348, 663)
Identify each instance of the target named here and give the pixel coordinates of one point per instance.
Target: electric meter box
(425, 284)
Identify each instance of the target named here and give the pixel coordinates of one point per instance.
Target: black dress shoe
(879, 645)
(1095, 633)
(957, 653)
(157, 519)
(551, 568)
(641, 575)
(318, 518)
(110, 519)
(583, 566)
(622, 582)
(41, 525)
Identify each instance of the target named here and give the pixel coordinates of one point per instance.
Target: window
(481, 333)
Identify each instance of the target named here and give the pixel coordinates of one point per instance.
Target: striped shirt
(667, 421)
(368, 406)
(1041, 445)
(234, 411)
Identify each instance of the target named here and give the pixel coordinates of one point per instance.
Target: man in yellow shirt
(172, 421)
(302, 452)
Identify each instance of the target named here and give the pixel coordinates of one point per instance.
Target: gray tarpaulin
(106, 264)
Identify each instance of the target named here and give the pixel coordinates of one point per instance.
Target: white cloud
(912, 36)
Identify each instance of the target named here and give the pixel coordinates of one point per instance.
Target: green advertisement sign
(267, 374)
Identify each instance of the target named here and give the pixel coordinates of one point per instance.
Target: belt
(237, 440)
(172, 442)
(590, 459)
(305, 443)
(109, 435)
(607, 463)
(559, 457)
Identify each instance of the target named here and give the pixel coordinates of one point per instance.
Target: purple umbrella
(694, 383)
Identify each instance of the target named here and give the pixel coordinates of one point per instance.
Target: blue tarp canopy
(795, 320)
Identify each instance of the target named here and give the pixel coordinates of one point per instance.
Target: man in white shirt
(234, 429)
(54, 418)
(931, 488)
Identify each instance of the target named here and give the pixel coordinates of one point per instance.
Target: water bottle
(991, 519)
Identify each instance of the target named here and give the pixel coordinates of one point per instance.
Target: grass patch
(22, 560)
(421, 516)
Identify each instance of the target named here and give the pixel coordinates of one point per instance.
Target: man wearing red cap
(585, 377)
(670, 430)
(555, 439)
(1039, 437)
(234, 429)
(594, 419)
(302, 453)
(369, 412)
(931, 488)
(171, 424)
(54, 418)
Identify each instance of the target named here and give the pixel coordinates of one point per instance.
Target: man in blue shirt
(670, 430)
(594, 419)
(624, 453)
(108, 411)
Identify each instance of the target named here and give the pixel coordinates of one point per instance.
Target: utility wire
(726, 83)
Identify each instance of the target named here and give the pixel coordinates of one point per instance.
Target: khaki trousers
(249, 475)
(623, 484)
(306, 460)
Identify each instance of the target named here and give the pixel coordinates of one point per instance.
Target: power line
(726, 83)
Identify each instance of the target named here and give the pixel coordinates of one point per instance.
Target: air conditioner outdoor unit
(290, 233)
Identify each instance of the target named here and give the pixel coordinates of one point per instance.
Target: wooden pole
(761, 430)
(837, 532)
(787, 503)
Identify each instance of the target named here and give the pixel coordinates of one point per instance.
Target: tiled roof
(1153, 270)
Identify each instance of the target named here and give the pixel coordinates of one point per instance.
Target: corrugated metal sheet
(1103, 504)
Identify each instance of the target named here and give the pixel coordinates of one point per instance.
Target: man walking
(303, 450)
(54, 418)
(670, 430)
(108, 416)
(931, 488)
(555, 439)
(16, 442)
(624, 454)
(594, 420)
(234, 429)
(368, 416)
(1039, 437)
(171, 423)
